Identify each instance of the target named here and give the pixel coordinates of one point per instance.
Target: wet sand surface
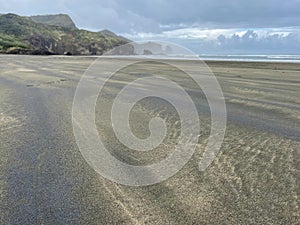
(45, 180)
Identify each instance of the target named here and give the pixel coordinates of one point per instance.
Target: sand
(45, 180)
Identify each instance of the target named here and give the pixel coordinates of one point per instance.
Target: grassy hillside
(61, 20)
(23, 33)
(10, 42)
(112, 34)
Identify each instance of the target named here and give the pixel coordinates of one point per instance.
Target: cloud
(227, 41)
(29, 7)
(211, 34)
(216, 13)
(158, 15)
(252, 42)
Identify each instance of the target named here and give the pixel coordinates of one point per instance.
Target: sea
(252, 58)
(206, 57)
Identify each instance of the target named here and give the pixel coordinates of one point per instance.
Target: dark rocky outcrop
(30, 52)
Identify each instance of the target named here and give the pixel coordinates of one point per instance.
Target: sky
(204, 26)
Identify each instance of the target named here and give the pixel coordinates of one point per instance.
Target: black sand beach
(44, 179)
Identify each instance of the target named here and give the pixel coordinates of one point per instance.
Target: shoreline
(206, 60)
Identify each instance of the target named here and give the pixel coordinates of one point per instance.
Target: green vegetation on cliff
(61, 20)
(10, 42)
(22, 35)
